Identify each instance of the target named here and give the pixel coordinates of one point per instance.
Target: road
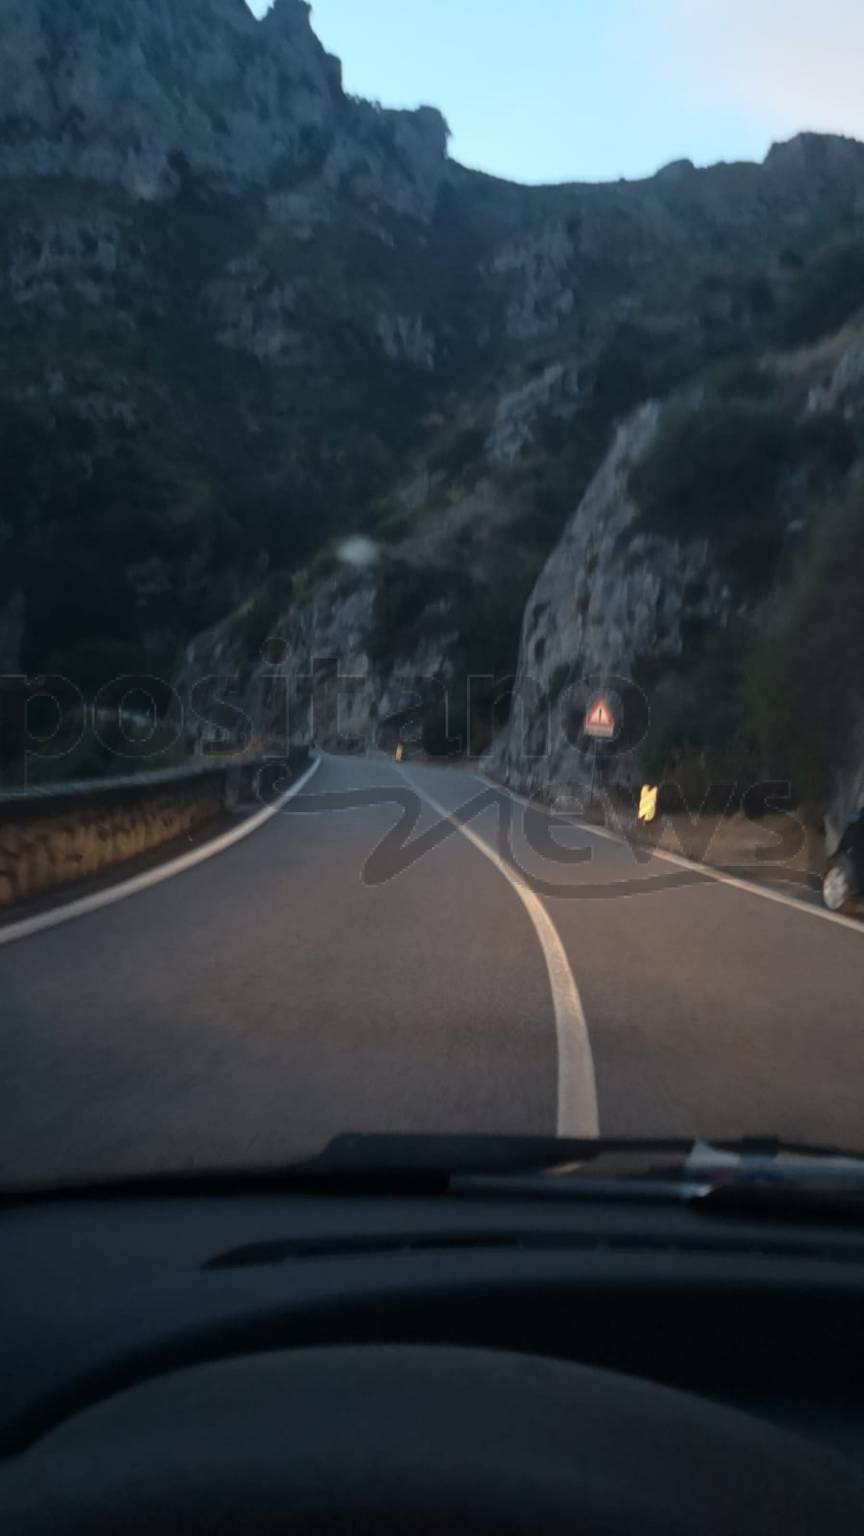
(317, 978)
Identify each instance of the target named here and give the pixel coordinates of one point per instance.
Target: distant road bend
(313, 978)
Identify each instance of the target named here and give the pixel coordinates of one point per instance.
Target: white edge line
(577, 1113)
(85, 905)
(703, 869)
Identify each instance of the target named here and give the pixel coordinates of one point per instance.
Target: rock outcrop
(623, 601)
(596, 614)
(135, 92)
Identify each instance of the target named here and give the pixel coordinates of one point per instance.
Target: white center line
(577, 1087)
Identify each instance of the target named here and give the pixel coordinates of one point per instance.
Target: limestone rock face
(131, 92)
(594, 615)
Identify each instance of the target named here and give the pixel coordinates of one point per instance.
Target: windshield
(431, 559)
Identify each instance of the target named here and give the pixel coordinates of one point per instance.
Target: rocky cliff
(247, 321)
(710, 578)
(133, 93)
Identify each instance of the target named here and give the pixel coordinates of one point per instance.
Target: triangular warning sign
(600, 721)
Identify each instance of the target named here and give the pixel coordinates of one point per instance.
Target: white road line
(577, 1086)
(72, 910)
(711, 871)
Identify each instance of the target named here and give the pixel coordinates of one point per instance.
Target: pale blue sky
(553, 90)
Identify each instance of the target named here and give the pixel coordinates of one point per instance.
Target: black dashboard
(105, 1299)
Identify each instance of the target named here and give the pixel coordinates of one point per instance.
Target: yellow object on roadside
(648, 802)
(400, 752)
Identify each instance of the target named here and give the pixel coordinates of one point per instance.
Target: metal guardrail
(53, 835)
(65, 789)
(42, 798)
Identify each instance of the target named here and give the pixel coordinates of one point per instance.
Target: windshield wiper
(372, 1162)
(485, 1154)
(680, 1167)
(562, 1156)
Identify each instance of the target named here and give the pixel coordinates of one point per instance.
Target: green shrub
(740, 379)
(321, 568)
(775, 702)
(827, 294)
(697, 733)
(715, 473)
(411, 603)
(256, 622)
(559, 479)
(462, 453)
(804, 691)
(638, 363)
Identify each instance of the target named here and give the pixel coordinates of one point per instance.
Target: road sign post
(600, 725)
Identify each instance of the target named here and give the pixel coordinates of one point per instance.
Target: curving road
(319, 976)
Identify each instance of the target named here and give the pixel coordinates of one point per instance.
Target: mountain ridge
(229, 347)
(115, 90)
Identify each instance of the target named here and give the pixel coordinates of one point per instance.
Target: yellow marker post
(648, 803)
(400, 752)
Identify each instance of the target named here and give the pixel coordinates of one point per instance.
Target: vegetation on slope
(804, 691)
(773, 693)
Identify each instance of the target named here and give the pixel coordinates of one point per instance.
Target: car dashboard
(104, 1295)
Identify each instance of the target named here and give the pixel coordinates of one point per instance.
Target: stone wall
(53, 838)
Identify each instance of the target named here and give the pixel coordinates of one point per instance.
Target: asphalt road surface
(321, 976)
